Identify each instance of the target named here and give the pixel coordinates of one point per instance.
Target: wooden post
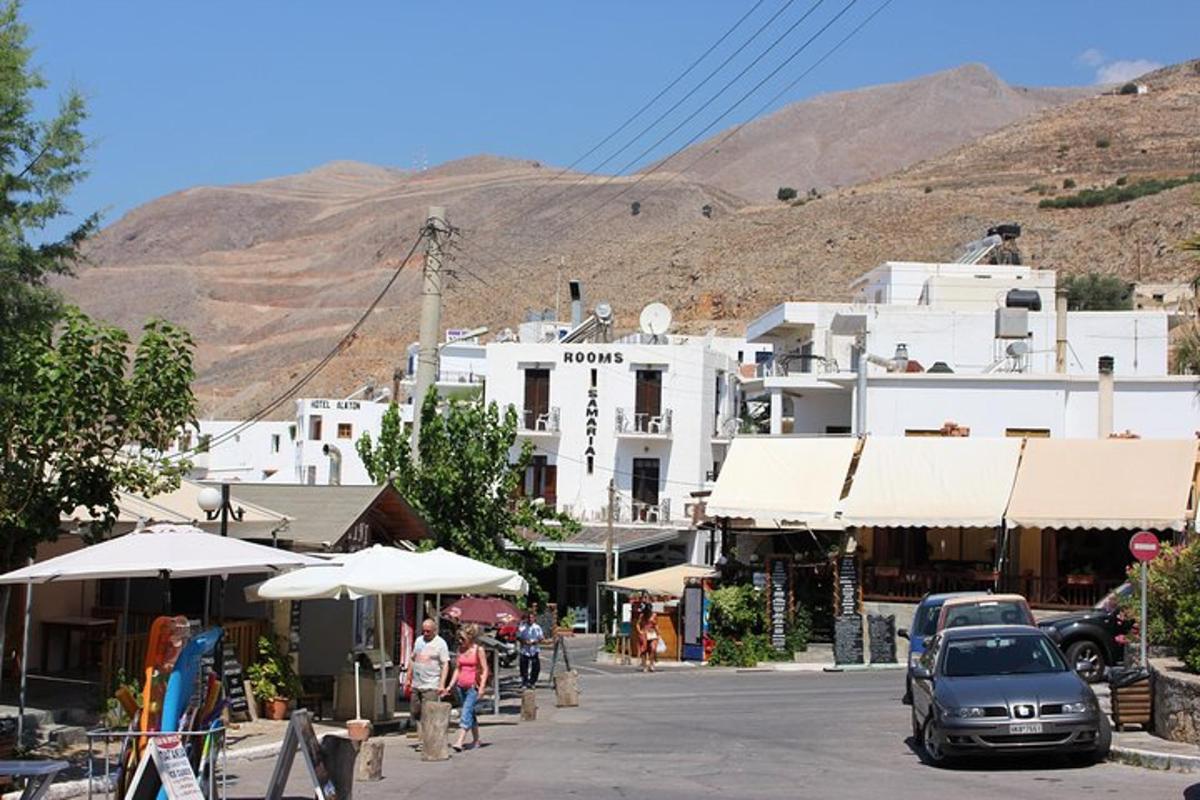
(528, 705)
(369, 766)
(339, 754)
(566, 688)
(435, 719)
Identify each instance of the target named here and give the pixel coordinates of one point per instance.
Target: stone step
(62, 735)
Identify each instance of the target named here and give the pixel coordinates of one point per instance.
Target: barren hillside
(269, 275)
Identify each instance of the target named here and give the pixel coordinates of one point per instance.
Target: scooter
(506, 635)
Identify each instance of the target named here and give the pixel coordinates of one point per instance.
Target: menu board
(234, 680)
(848, 639)
(847, 585)
(777, 602)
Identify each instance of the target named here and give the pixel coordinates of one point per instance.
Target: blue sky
(219, 92)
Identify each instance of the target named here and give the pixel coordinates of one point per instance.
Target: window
(837, 430)
(541, 480)
(1027, 433)
(310, 475)
(647, 398)
(292, 432)
(314, 427)
(923, 432)
(275, 442)
(204, 443)
(645, 482)
(537, 397)
(345, 430)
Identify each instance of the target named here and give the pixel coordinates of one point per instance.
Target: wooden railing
(131, 651)
(910, 584)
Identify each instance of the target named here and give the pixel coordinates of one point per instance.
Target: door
(537, 397)
(647, 398)
(645, 483)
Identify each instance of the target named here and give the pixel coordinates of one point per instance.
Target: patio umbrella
(482, 610)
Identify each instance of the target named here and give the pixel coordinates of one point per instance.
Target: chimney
(335, 464)
(576, 303)
(1060, 331)
(1104, 397)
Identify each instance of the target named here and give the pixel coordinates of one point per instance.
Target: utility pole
(558, 291)
(436, 232)
(608, 540)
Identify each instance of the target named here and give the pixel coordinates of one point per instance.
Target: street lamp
(216, 503)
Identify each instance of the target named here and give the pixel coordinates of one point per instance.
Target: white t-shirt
(427, 660)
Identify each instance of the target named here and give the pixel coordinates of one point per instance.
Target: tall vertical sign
(779, 600)
(847, 628)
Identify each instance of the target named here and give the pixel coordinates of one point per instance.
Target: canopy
(783, 482)
(1106, 484)
(669, 581)
(934, 482)
(390, 570)
(178, 551)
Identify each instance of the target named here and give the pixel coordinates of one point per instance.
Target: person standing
(425, 678)
(470, 677)
(530, 637)
(647, 629)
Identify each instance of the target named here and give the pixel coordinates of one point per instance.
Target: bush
(1093, 292)
(1129, 88)
(1121, 181)
(738, 625)
(1121, 192)
(1173, 601)
(1103, 142)
(1068, 183)
(785, 194)
(928, 189)
(272, 676)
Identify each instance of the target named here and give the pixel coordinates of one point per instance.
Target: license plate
(1025, 727)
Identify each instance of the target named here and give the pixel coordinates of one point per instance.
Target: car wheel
(929, 743)
(1103, 740)
(916, 726)
(1087, 651)
(907, 699)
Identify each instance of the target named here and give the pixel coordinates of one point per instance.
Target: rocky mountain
(268, 276)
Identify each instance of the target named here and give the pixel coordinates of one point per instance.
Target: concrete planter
(1176, 701)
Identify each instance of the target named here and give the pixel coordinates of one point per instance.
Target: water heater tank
(1023, 298)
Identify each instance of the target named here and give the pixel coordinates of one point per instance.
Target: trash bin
(1132, 699)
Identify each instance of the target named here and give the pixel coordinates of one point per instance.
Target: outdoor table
(89, 628)
(38, 774)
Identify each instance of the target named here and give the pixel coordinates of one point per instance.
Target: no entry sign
(1144, 546)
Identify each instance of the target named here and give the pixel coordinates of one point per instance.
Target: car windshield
(990, 612)
(926, 621)
(1113, 599)
(1001, 655)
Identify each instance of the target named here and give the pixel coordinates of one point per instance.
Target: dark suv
(1091, 636)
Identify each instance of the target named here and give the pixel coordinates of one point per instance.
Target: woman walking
(648, 636)
(470, 677)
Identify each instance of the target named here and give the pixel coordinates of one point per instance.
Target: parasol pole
(25, 660)
(383, 688)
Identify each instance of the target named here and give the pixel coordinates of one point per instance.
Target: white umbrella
(390, 570)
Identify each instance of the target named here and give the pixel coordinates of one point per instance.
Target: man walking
(427, 668)
(530, 636)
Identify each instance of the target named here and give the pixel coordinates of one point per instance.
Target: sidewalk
(1143, 749)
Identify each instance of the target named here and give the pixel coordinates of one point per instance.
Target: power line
(344, 342)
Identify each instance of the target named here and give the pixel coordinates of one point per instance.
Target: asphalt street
(717, 733)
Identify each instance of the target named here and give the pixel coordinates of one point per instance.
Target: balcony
(540, 422)
(659, 512)
(635, 424)
(786, 364)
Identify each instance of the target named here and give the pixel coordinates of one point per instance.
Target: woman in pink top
(470, 677)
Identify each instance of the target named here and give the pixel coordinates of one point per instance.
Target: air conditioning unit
(1012, 323)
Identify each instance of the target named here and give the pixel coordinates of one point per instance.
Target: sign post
(1144, 546)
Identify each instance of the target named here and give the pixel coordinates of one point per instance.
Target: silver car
(1003, 688)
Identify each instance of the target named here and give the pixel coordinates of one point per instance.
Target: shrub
(1094, 292)
(738, 625)
(928, 189)
(1187, 351)
(1068, 183)
(786, 193)
(272, 675)
(1121, 181)
(1173, 601)
(1103, 142)
(635, 208)
(1119, 193)
(1129, 88)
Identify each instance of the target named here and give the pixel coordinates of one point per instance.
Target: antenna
(655, 320)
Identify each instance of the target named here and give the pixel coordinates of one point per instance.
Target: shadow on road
(1014, 762)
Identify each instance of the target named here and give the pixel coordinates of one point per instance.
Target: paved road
(708, 733)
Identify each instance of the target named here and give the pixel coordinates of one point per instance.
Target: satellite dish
(603, 312)
(1018, 348)
(655, 319)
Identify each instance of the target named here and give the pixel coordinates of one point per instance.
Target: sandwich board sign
(165, 764)
(301, 736)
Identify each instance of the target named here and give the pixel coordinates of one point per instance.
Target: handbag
(661, 647)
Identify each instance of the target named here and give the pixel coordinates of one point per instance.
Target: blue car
(924, 626)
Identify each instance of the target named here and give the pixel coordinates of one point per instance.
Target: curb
(1149, 759)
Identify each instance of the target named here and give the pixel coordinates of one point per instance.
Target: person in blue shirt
(530, 636)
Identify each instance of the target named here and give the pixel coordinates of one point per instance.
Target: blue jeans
(466, 716)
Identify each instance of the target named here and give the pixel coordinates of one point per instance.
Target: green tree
(785, 194)
(466, 484)
(1095, 292)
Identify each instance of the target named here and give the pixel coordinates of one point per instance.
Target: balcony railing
(882, 582)
(650, 512)
(637, 423)
(540, 421)
(796, 364)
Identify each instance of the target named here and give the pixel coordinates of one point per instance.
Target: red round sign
(1144, 546)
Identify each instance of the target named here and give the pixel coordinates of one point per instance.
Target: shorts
(466, 717)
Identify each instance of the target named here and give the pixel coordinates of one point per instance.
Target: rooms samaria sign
(593, 357)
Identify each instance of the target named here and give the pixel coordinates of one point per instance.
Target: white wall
(362, 416)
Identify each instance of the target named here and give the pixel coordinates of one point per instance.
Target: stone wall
(1176, 701)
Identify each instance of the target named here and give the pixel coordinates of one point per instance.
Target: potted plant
(273, 680)
(1083, 576)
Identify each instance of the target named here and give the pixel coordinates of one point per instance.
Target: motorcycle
(506, 635)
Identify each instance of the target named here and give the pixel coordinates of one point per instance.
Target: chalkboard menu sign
(847, 585)
(294, 628)
(777, 602)
(848, 639)
(235, 686)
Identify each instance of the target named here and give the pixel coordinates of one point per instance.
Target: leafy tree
(785, 194)
(1095, 292)
(1187, 351)
(466, 484)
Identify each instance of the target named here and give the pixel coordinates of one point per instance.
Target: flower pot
(1081, 580)
(275, 708)
(359, 729)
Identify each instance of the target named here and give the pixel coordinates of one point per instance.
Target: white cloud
(1122, 71)
(1091, 57)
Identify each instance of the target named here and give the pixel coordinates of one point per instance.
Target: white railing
(784, 365)
(547, 421)
(635, 422)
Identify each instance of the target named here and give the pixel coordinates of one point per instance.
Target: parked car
(984, 690)
(924, 625)
(1092, 640)
(992, 609)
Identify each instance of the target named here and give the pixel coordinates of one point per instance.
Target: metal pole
(25, 660)
(1145, 632)
(431, 318)
(608, 539)
(124, 630)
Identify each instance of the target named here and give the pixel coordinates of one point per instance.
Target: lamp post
(216, 504)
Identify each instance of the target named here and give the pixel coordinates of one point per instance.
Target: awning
(781, 482)
(932, 482)
(669, 581)
(1106, 484)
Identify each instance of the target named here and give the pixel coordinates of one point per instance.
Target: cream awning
(781, 482)
(669, 581)
(1106, 484)
(932, 482)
